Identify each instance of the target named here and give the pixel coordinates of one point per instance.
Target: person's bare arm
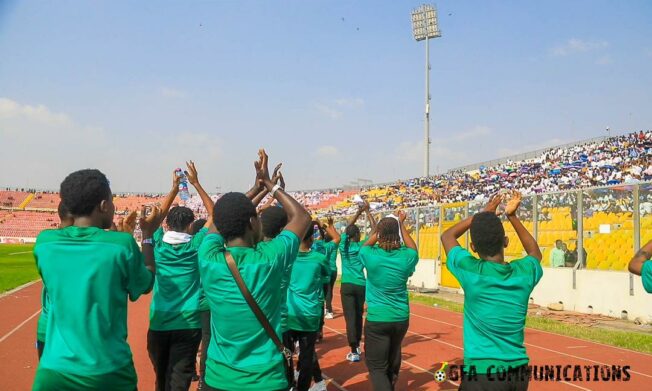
(205, 198)
(527, 240)
(332, 232)
(450, 236)
(356, 216)
(407, 239)
(642, 255)
(149, 225)
(370, 217)
(169, 199)
(277, 177)
(259, 197)
(298, 218)
(373, 239)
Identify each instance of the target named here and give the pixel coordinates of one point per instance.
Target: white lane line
(461, 348)
(540, 331)
(538, 347)
(7, 293)
(19, 326)
(403, 361)
(22, 252)
(333, 382)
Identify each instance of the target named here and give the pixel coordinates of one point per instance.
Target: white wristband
(274, 189)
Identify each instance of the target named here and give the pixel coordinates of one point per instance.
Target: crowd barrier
(600, 229)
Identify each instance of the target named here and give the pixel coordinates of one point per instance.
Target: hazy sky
(334, 89)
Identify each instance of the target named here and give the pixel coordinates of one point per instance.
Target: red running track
(435, 335)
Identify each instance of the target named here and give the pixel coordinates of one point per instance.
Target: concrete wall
(606, 291)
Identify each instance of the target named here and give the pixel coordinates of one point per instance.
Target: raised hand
(493, 203)
(401, 216)
(128, 224)
(330, 221)
(277, 176)
(176, 180)
(149, 224)
(281, 180)
(191, 173)
(513, 203)
(277, 171)
(262, 168)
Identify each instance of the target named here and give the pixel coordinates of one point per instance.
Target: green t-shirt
(177, 291)
(332, 257)
(305, 295)
(329, 250)
(352, 272)
(241, 356)
(496, 298)
(557, 258)
(387, 275)
(646, 276)
(42, 324)
(88, 273)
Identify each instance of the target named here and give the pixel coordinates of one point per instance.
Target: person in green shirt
(175, 320)
(558, 255)
(388, 265)
(42, 324)
(241, 355)
(88, 274)
(496, 296)
(323, 244)
(641, 265)
(305, 301)
(353, 281)
(205, 316)
(330, 245)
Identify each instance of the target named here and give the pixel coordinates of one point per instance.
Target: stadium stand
(555, 175)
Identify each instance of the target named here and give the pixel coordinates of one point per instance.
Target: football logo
(440, 375)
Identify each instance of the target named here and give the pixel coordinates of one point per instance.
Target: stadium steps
(26, 201)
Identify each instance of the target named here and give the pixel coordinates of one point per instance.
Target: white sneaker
(296, 376)
(329, 315)
(359, 351)
(353, 357)
(321, 386)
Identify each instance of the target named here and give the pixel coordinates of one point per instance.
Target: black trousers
(383, 352)
(517, 380)
(353, 297)
(173, 354)
(325, 287)
(205, 340)
(306, 360)
(39, 348)
(329, 293)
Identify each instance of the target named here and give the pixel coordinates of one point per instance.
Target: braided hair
(388, 234)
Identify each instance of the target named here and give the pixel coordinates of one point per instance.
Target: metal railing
(597, 228)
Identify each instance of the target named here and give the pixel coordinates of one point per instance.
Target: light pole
(425, 27)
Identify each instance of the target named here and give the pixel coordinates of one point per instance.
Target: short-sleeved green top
(352, 268)
(88, 274)
(646, 276)
(177, 291)
(241, 356)
(329, 250)
(387, 275)
(496, 299)
(305, 296)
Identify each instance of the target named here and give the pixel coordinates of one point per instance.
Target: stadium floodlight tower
(425, 27)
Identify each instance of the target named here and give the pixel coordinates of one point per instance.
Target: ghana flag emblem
(440, 375)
